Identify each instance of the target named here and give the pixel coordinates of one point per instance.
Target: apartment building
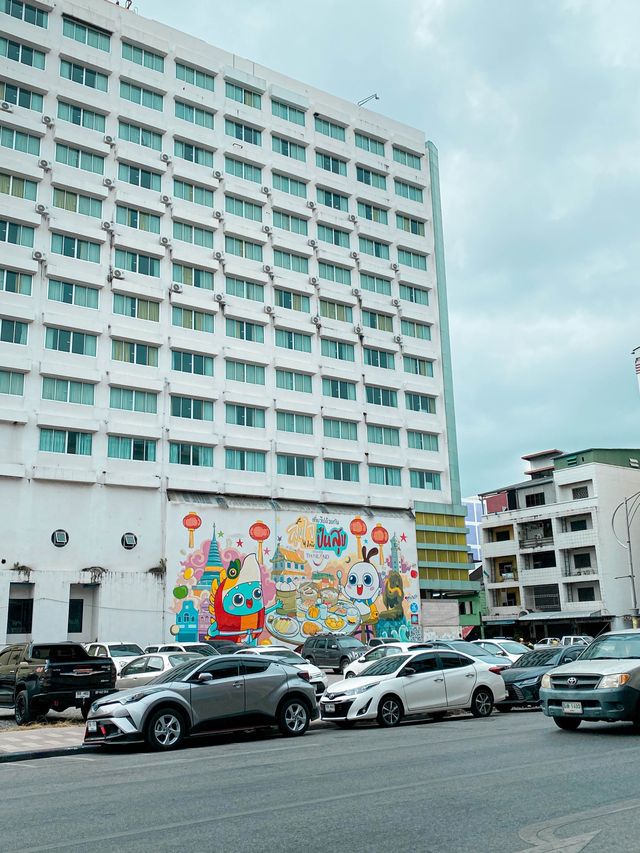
(552, 561)
(219, 287)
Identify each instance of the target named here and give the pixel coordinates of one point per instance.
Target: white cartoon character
(363, 585)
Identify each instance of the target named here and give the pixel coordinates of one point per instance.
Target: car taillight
(304, 675)
(496, 669)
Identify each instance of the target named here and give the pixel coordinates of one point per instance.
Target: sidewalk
(25, 743)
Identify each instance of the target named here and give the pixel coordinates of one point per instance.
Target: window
(132, 306)
(418, 366)
(242, 95)
(422, 440)
(197, 455)
(412, 259)
(402, 188)
(381, 396)
(84, 76)
(78, 158)
(244, 289)
(137, 262)
(133, 400)
(13, 332)
(384, 475)
(373, 213)
(329, 128)
(140, 135)
(335, 428)
(20, 612)
(194, 76)
(193, 192)
(586, 593)
(243, 131)
(290, 380)
(191, 407)
(11, 383)
(379, 358)
(579, 493)
(375, 284)
(241, 207)
(81, 116)
(240, 371)
(242, 170)
(25, 12)
(335, 236)
(429, 480)
(65, 340)
(374, 247)
(578, 524)
(290, 261)
(293, 422)
(371, 178)
(193, 234)
(15, 282)
(22, 53)
(193, 276)
(289, 185)
(582, 561)
(331, 272)
(67, 391)
(336, 470)
(139, 177)
(420, 403)
(373, 320)
(412, 329)
(134, 218)
(143, 56)
(76, 203)
(86, 34)
(295, 466)
(340, 389)
(19, 235)
(286, 112)
(143, 97)
(407, 223)
(243, 248)
(288, 149)
(134, 449)
(332, 199)
(293, 301)
(134, 353)
(289, 222)
(336, 311)
(536, 499)
(245, 460)
(331, 164)
(383, 435)
(65, 441)
(406, 158)
(21, 96)
(248, 416)
(337, 349)
(191, 362)
(245, 331)
(193, 153)
(293, 340)
(368, 143)
(187, 318)
(18, 187)
(414, 294)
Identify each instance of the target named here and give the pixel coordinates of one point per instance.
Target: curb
(6, 758)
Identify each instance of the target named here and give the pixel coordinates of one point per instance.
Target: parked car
(225, 647)
(120, 653)
(332, 651)
(209, 694)
(380, 641)
(602, 684)
(424, 682)
(144, 669)
(359, 665)
(503, 648)
(523, 678)
(473, 651)
(38, 677)
(200, 648)
(316, 675)
(576, 640)
(546, 643)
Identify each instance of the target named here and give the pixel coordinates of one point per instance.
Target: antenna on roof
(366, 100)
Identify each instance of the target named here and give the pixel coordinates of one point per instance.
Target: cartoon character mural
(363, 586)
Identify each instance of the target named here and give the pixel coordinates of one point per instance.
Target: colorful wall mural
(282, 577)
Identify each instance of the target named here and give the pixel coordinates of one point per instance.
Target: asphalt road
(506, 784)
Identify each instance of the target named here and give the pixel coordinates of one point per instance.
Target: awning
(499, 621)
(565, 615)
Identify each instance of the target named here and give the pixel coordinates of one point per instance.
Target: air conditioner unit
(176, 287)
(267, 229)
(108, 182)
(165, 199)
(358, 330)
(37, 255)
(47, 120)
(165, 241)
(268, 309)
(219, 297)
(118, 274)
(397, 339)
(6, 106)
(356, 291)
(106, 225)
(44, 164)
(311, 204)
(395, 302)
(265, 190)
(314, 280)
(316, 321)
(354, 255)
(110, 140)
(165, 158)
(219, 256)
(353, 217)
(218, 174)
(218, 214)
(267, 268)
(395, 267)
(42, 209)
(312, 243)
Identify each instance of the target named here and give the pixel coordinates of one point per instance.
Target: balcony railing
(535, 541)
(544, 603)
(504, 577)
(572, 572)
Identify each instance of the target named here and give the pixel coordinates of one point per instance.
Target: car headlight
(546, 681)
(608, 681)
(355, 691)
(127, 700)
(529, 682)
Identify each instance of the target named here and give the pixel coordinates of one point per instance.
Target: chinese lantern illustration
(259, 532)
(192, 522)
(380, 536)
(358, 528)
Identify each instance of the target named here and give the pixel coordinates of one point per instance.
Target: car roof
(169, 654)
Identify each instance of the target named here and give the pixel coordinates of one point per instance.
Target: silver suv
(212, 694)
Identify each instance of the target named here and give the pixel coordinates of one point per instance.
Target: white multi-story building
(214, 280)
(552, 558)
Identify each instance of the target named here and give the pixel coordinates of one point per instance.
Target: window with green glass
(78, 158)
(378, 396)
(330, 128)
(76, 203)
(418, 366)
(243, 248)
(331, 164)
(373, 213)
(291, 380)
(407, 158)
(245, 331)
(134, 449)
(67, 391)
(249, 416)
(379, 358)
(287, 184)
(242, 95)
(418, 295)
(133, 352)
(193, 153)
(133, 306)
(142, 96)
(335, 236)
(140, 135)
(140, 219)
(21, 96)
(245, 460)
(389, 436)
(193, 276)
(288, 149)
(336, 428)
(384, 475)
(292, 301)
(18, 187)
(191, 362)
(25, 12)
(413, 329)
(196, 455)
(133, 400)
(189, 74)
(12, 281)
(293, 340)
(410, 191)
(412, 259)
(83, 75)
(137, 262)
(329, 198)
(340, 389)
(337, 349)
(193, 234)
(14, 232)
(71, 247)
(242, 371)
(295, 466)
(374, 320)
(143, 56)
(187, 318)
(65, 441)
(245, 132)
(289, 222)
(335, 469)
(336, 311)
(287, 112)
(242, 207)
(294, 422)
(142, 178)
(429, 480)
(191, 407)
(82, 116)
(193, 192)
(374, 247)
(422, 440)
(371, 178)
(408, 223)
(87, 34)
(369, 143)
(11, 382)
(194, 115)
(375, 284)
(420, 403)
(290, 261)
(73, 294)
(244, 289)
(14, 332)
(332, 272)
(22, 53)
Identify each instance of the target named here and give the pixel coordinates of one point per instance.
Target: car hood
(313, 671)
(597, 667)
(121, 695)
(350, 683)
(523, 673)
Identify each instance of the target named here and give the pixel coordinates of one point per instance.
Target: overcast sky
(534, 106)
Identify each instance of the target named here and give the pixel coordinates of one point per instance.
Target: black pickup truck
(38, 677)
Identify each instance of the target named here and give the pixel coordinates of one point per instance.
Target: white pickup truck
(567, 640)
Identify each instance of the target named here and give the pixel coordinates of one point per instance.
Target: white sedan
(509, 648)
(316, 676)
(423, 682)
(358, 666)
(145, 668)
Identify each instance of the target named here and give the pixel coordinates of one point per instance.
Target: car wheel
(504, 709)
(293, 718)
(349, 675)
(165, 729)
(345, 724)
(482, 702)
(22, 710)
(344, 663)
(389, 712)
(567, 724)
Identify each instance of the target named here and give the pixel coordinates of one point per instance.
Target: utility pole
(634, 501)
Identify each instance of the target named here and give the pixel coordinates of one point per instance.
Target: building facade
(552, 559)
(214, 281)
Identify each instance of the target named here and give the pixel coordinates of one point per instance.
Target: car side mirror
(409, 670)
(204, 677)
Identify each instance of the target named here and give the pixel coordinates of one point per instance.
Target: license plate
(329, 707)
(572, 707)
(92, 726)
(82, 694)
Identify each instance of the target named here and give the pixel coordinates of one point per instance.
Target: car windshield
(541, 658)
(351, 643)
(613, 646)
(512, 647)
(124, 650)
(385, 666)
(178, 673)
